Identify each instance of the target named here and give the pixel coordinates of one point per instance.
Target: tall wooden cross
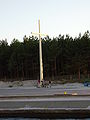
(40, 53)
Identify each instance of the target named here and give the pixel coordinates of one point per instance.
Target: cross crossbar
(39, 34)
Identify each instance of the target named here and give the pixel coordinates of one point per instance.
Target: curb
(43, 96)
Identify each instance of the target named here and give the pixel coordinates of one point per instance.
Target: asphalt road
(39, 103)
(44, 98)
(16, 101)
(43, 91)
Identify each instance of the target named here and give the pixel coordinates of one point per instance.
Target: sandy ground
(27, 83)
(33, 83)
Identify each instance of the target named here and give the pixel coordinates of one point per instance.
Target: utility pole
(40, 53)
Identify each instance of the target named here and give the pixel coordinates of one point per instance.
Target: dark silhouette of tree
(62, 55)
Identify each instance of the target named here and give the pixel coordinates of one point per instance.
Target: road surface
(33, 91)
(45, 97)
(59, 101)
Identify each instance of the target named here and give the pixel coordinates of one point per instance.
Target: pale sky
(20, 17)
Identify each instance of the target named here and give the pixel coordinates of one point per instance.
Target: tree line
(62, 55)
